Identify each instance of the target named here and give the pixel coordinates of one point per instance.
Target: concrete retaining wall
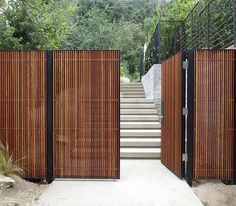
(152, 85)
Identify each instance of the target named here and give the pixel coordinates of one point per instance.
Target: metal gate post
(234, 181)
(190, 116)
(49, 116)
(234, 10)
(183, 117)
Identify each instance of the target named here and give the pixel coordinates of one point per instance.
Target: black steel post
(234, 7)
(155, 46)
(49, 130)
(159, 43)
(190, 116)
(208, 27)
(192, 28)
(181, 30)
(199, 25)
(183, 118)
(141, 66)
(234, 180)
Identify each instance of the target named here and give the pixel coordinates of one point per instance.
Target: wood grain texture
(86, 114)
(172, 112)
(214, 115)
(22, 109)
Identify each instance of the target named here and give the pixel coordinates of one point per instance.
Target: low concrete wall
(152, 85)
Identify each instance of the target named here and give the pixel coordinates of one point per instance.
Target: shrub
(9, 167)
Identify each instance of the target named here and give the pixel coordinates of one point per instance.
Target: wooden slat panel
(214, 115)
(171, 140)
(22, 109)
(86, 114)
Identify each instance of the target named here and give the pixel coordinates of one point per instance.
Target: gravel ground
(215, 193)
(22, 194)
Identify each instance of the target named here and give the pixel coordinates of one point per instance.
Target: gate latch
(185, 64)
(185, 111)
(184, 157)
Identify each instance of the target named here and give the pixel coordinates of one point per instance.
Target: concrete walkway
(142, 183)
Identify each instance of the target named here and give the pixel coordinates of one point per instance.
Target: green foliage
(35, 24)
(122, 72)
(8, 167)
(112, 24)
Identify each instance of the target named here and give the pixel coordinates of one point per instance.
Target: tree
(35, 24)
(94, 31)
(112, 24)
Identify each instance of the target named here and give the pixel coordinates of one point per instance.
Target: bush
(8, 167)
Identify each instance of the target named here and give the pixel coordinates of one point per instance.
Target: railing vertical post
(141, 66)
(155, 47)
(181, 30)
(49, 115)
(190, 116)
(192, 31)
(234, 7)
(208, 27)
(159, 43)
(200, 35)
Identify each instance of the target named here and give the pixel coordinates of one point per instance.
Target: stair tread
(140, 130)
(141, 123)
(136, 100)
(140, 139)
(140, 150)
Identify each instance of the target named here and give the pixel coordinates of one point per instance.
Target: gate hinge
(185, 64)
(184, 157)
(185, 111)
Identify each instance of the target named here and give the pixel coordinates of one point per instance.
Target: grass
(9, 167)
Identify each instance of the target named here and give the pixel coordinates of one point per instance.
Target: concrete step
(131, 85)
(132, 96)
(132, 93)
(140, 153)
(138, 111)
(140, 142)
(137, 106)
(140, 133)
(140, 125)
(139, 118)
(135, 101)
(131, 89)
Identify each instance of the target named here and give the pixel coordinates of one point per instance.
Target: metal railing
(209, 26)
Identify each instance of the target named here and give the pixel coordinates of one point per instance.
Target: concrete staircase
(140, 129)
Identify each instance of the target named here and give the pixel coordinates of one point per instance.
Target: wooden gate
(86, 114)
(59, 112)
(173, 122)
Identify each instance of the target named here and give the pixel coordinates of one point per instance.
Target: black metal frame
(183, 118)
(233, 182)
(190, 116)
(49, 115)
(234, 23)
(119, 116)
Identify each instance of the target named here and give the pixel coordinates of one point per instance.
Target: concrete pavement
(142, 183)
